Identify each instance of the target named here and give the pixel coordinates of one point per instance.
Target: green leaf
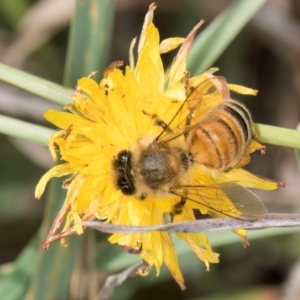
(214, 39)
(52, 268)
(15, 277)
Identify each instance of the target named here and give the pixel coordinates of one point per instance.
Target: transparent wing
(223, 200)
(206, 93)
(201, 97)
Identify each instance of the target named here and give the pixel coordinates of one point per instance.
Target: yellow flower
(121, 113)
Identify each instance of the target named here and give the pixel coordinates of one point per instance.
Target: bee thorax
(160, 167)
(157, 168)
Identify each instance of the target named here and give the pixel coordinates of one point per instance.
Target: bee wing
(200, 98)
(224, 200)
(205, 91)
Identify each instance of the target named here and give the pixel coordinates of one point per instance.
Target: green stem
(24, 130)
(36, 85)
(40, 135)
(278, 136)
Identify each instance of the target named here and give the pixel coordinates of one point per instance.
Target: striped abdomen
(221, 138)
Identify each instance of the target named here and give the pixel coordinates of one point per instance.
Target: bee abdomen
(242, 116)
(221, 138)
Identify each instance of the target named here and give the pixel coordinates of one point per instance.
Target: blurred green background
(265, 55)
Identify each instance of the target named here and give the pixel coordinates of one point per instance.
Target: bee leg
(187, 85)
(143, 196)
(133, 250)
(179, 205)
(159, 122)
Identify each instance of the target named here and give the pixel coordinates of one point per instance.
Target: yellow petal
(206, 255)
(52, 146)
(131, 55)
(170, 44)
(64, 120)
(57, 171)
(149, 72)
(147, 21)
(92, 89)
(77, 223)
(178, 67)
(89, 109)
(170, 260)
(241, 232)
(247, 179)
(242, 89)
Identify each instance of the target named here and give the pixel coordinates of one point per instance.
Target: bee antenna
(168, 125)
(188, 91)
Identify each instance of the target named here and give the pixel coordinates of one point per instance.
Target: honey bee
(215, 140)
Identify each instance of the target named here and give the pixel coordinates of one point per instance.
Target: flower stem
(278, 136)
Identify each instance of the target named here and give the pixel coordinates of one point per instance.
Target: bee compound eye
(124, 156)
(126, 185)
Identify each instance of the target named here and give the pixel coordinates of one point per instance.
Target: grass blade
(35, 85)
(210, 44)
(25, 130)
(90, 37)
